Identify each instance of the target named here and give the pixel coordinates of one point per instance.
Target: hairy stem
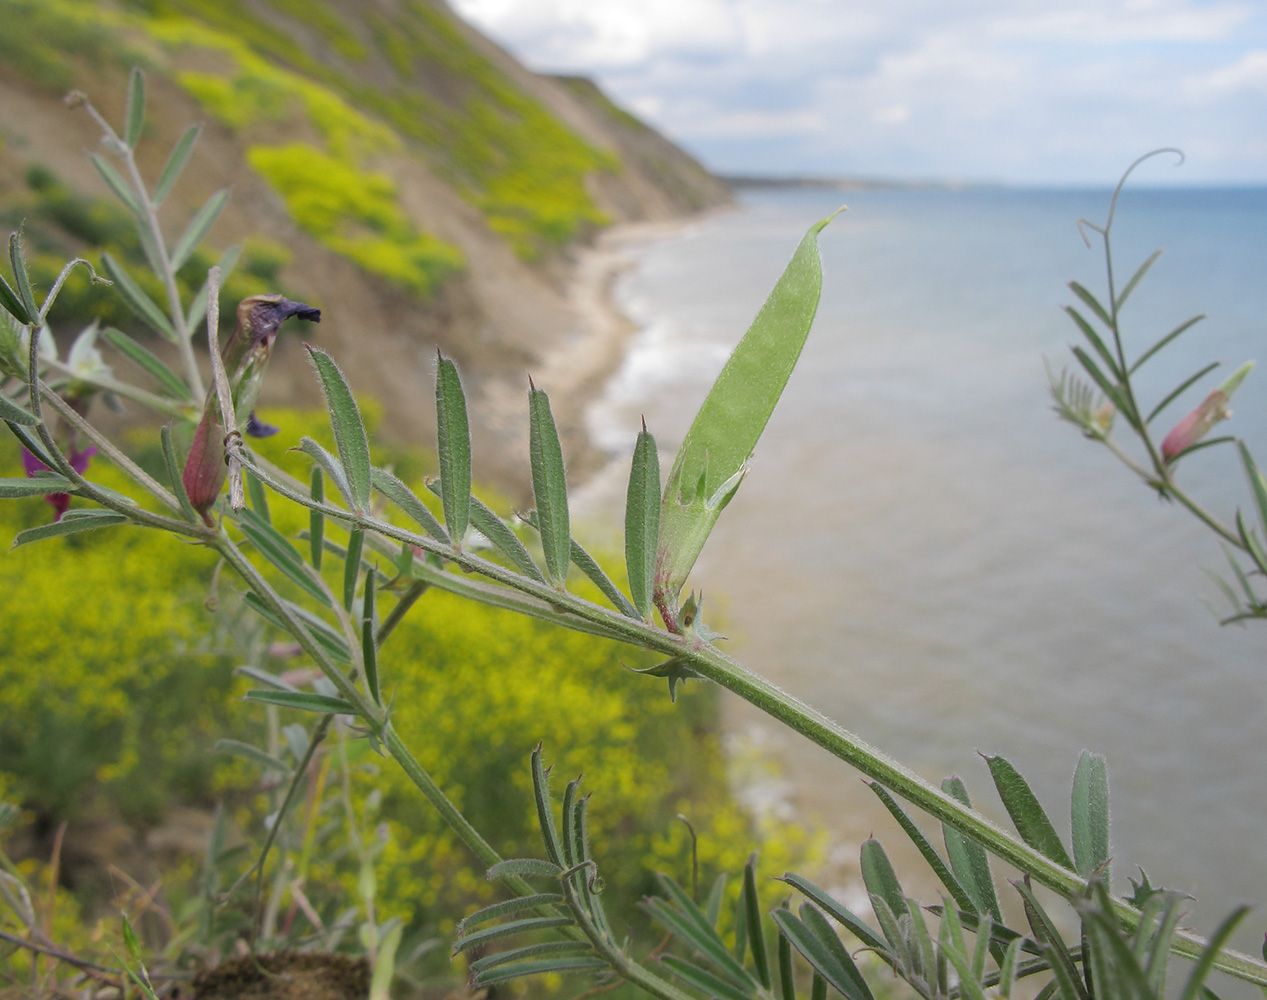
(711, 663)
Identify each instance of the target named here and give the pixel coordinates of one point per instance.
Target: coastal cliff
(387, 163)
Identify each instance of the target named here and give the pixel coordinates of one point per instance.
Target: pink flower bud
(245, 358)
(1197, 424)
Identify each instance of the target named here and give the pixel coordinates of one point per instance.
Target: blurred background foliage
(497, 147)
(59, 223)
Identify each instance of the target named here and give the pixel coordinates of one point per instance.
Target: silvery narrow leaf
(715, 451)
(549, 487)
(349, 429)
(454, 440)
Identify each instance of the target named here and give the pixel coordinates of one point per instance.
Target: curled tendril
(1084, 224)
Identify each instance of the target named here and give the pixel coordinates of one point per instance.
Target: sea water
(926, 554)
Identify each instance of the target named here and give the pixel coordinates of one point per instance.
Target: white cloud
(1138, 21)
(895, 114)
(1248, 74)
(1019, 89)
(746, 124)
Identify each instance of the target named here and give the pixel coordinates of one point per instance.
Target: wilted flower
(1197, 424)
(78, 461)
(245, 358)
(1103, 418)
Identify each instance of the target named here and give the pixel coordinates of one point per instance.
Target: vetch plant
(340, 591)
(1110, 390)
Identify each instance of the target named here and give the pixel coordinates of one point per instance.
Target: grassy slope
(386, 162)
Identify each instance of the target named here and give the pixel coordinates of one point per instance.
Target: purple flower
(78, 461)
(256, 428)
(245, 358)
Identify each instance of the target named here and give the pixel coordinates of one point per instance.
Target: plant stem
(163, 266)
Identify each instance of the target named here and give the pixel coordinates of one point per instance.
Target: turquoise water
(926, 554)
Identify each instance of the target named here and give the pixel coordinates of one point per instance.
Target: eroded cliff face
(402, 172)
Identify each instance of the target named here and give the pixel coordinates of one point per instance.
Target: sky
(1012, 91)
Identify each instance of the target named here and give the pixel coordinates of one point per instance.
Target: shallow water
(926, 554)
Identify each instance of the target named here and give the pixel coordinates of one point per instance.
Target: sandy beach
(576, 368)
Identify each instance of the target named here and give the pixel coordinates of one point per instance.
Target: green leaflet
(173, 474)
(825, 902)
(1063, 967)
(252, 753)
(545, 812)
(524, 867)
(787, 980)
(169, 383)
(12, 303)
(37, 486)
(72, 521)
(1089, 814)
(689, 925)
(549, 487)
(259, 498)
(453, 435)
(752, 915)
(813, 937)
(12, 412)
(404, 498)
(349, 430)
(512, 906)
(198, 227)
(303, 701)
(939, 867)
(714, 453)
(22, 280)
(135, 120)
(586, 563)
(968, 858)
(136, 298)
(320, 630)
(116, 183)
(879, 877)
(352, 565)
(642, 522)
(317, 520)
(1026, 812)
(278, 550)
(703, 980)
(175, 163)
(1137, 277)
(562, 964)
(385, 963)
(558, 949)
(329, 464)
(508, 929)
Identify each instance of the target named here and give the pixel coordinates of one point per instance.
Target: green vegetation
(63, 224)
(510, 156)
(42, 41)
(120, 678)
(114, 685)
(501, 149)
(255, 91)
(354, 212)
(476, 688)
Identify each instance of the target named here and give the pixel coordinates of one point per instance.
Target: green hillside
(383, 162)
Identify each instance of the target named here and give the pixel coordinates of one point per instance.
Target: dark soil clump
(286, 976)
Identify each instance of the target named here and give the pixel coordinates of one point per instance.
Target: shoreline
(576, 372)
(772, 777)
